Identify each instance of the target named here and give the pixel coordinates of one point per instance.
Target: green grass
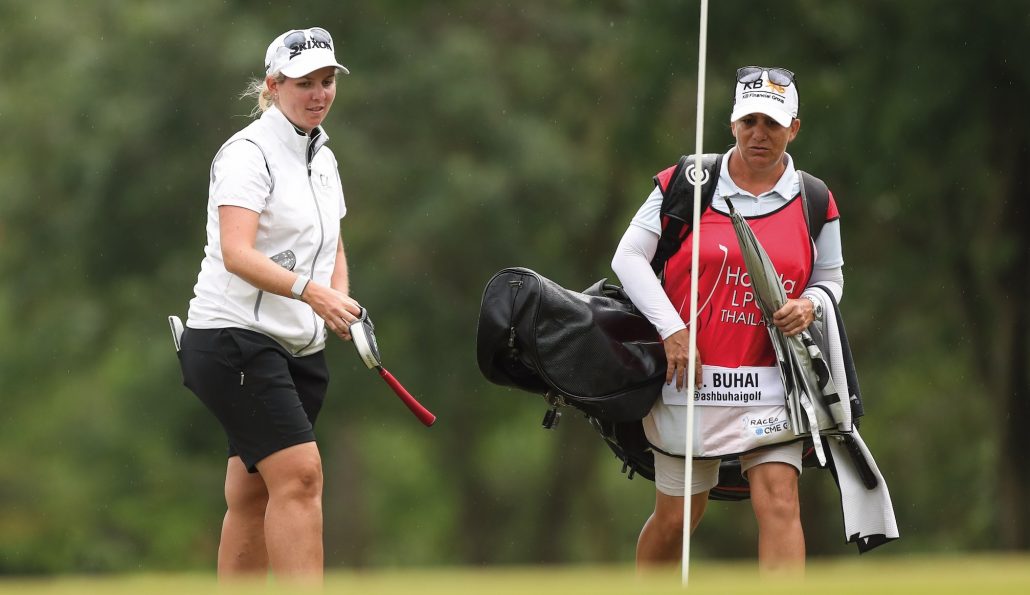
(871, 575)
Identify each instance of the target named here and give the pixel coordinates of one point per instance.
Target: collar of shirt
(748, 204)
(286, 132)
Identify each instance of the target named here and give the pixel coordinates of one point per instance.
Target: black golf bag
(592, 351)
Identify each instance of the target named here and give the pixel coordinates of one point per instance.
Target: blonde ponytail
(258, 89)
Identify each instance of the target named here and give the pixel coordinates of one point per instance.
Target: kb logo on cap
(757, 85)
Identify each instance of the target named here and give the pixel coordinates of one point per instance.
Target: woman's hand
(794, 316)
(336, 308)
(677, 353)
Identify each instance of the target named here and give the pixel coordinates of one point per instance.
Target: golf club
(362, 333)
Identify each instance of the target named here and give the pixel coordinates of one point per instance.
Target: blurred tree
(473, 136)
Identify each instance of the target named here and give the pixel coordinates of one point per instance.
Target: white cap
(301, 51)
(764, 97)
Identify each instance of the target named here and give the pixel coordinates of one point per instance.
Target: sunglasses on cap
(777, 76)
(303, 39)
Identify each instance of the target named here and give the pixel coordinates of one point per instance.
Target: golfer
(273, 278)
(740, 407)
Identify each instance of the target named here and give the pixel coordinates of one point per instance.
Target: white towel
(868, 513)
(829, 343)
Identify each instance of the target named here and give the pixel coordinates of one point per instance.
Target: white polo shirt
(292, 181)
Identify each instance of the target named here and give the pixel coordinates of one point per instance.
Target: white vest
(300, 215)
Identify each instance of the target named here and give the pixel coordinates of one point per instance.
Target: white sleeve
(828, 253)
(832, 279)
(239, 177)
(632, 264)
(649, 215)
(829, 260)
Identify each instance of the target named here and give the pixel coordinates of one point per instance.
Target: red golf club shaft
(420, 412)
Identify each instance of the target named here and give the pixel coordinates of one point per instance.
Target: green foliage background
(474, 135)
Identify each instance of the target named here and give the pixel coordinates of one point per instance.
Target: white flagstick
(688, 461)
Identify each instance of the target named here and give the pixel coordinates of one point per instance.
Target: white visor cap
(764, 97)
(301, 51)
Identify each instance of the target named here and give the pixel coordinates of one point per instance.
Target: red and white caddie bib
(740, 404)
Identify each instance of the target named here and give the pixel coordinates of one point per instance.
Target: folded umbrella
(812, 400)
(814, 405)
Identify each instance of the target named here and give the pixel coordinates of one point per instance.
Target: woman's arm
(832, 279)
(238, 231)
(340, 280)
(829, 260)
(796, 315)
(632, 264)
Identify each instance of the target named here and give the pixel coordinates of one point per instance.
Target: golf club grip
(420, 412)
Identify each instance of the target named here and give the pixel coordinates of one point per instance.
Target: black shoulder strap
(815, 197)
(678, 204)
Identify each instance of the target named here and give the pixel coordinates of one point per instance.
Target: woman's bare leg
(293, 519)
(241, 552)
(661, 539)
(774, 497)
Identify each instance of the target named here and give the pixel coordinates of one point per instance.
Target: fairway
(937, 575)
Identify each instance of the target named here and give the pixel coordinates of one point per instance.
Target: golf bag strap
(677, 215)
(815, 197)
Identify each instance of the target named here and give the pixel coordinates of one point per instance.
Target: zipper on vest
(310, 154)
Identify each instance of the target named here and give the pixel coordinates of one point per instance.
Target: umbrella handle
(861, 465)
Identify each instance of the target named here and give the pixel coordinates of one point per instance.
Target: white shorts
(669, 472)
